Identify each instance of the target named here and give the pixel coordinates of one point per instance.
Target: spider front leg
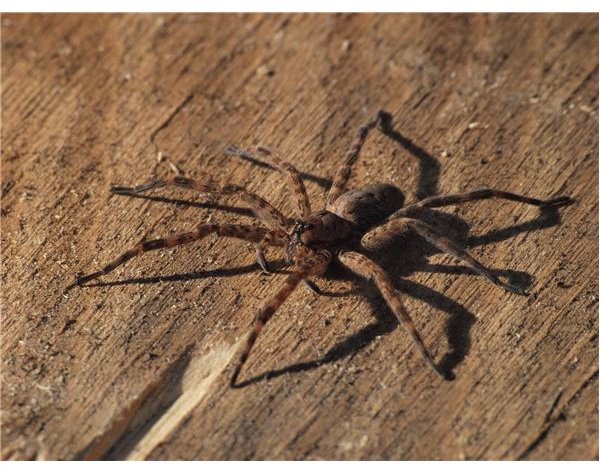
(308, 264)
(399, 225)
(261, 208)
(343, 174)
(365, 267)
(480, 194)
(302, 207)
(249, 233)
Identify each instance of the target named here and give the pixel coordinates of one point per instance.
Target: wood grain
(139, 367)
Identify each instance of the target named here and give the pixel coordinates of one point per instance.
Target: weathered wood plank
(140, 368)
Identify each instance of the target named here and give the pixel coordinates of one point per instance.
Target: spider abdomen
(369, 205)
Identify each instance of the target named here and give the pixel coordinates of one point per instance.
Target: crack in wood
(151, 418)
(195, 382)
(121, 422)
(551, 420)
(170, 118)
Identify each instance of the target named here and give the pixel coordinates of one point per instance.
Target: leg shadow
(278, 267)
(415, 251)
(458, 326)
(385, 323)
(457, 331)
(200, 205)
(324, 183)
(429, 173)
(548, 217)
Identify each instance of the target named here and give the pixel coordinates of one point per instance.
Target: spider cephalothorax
(314, 239)
(321, 230)
(350, 215)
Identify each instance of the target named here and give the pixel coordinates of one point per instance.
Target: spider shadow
(427, 185)
(415, 253)
(429, 167)
(277, 268)
(245, 212)
(324, 183)
(548, 217)
(385, 322)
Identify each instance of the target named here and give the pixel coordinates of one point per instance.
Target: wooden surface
(139, 367)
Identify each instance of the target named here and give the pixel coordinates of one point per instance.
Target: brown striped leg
(399, 225)
(309, 265)
(302, 207)
(480, 194)
(261, 208)
(365, 267)
(343, 174)
(250, 233)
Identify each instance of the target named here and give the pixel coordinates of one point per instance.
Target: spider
(313, 239)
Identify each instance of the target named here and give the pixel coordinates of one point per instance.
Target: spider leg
(365, 267)
(278, 238)
(343, 174)
(302, 208)
(271, 238)
(310, 265)
(480, 194)
(399, 225)
(250, 233)
(261, 208)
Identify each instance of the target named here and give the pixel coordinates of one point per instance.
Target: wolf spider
(314, 239)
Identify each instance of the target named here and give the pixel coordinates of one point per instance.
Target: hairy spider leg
(272, 238)
(367, 268)
(343, 174)
(302, 203)
(261, 208)
(310, 263)
(247, 232)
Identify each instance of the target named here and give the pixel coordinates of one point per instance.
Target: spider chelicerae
(313, 240)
